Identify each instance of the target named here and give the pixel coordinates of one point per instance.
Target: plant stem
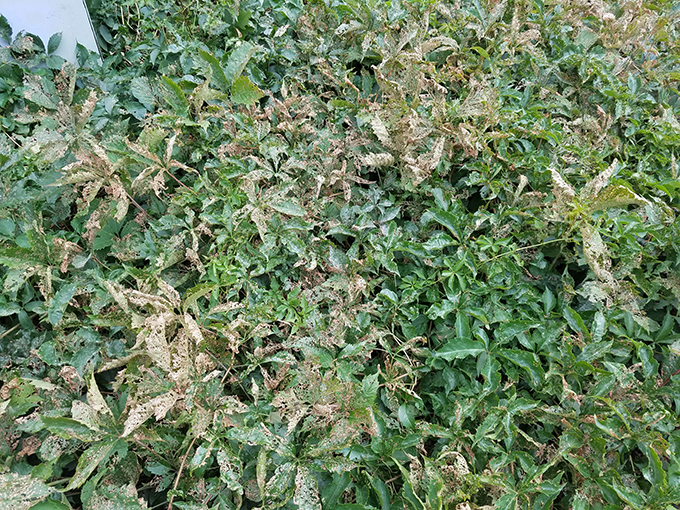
(179, 472)
(510, 252)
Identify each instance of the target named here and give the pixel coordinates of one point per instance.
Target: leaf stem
(668, 379)
(510, 252)
(179, 472)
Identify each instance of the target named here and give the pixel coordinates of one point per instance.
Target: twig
(668, 379)
(3, 335)
(510, 252)
(179, 472)
(178, 181)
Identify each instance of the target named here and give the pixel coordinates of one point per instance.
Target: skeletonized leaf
(153, 336)
(378, 159)
(170, 292)
(260, 221)
(595, 252)
(92, 458)
(306, 490)
(34, 91)
(157, 406)
(21, 492)
(192, 329)
(593, 187)
(562, 190)
(380, 131)
(95, 398)
(85, 414)
(617, 196)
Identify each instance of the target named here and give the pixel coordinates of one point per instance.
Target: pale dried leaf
(260, 220)
(153, 337)
(158, 406)
(381, 131)
(95, 398)
(562, 190)
(193, 329)
(170, 292)
(378, 159)
(596, 253)
(593, 187)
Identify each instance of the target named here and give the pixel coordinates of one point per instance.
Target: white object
(47, 17)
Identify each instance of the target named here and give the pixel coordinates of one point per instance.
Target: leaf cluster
(343, 254)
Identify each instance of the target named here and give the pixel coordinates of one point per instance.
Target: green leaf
(289, 208)
(237, 61)
(7, 309)
(21, 492)
(218, 76)
(576, 322)
(50, 504)
(462, 326)
(654, 472)
(175, 97)
(369, 388)
(630, 496)
(448, 220)
(7, 227)
(548, 301)
(527, 360)
(354, 506)
(509, 330)
(460, 348)
(5, 29)
(382, 491)
(53, 43)
(91, 459)
(141, 90)
(405, 415)
(594, 351)
(194, 294)
(244, 91)
(599, 326)
(68, 428)
(59, 302)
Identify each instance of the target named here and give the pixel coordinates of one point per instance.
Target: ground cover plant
(343, 254)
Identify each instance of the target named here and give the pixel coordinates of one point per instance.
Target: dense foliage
(343, 254)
